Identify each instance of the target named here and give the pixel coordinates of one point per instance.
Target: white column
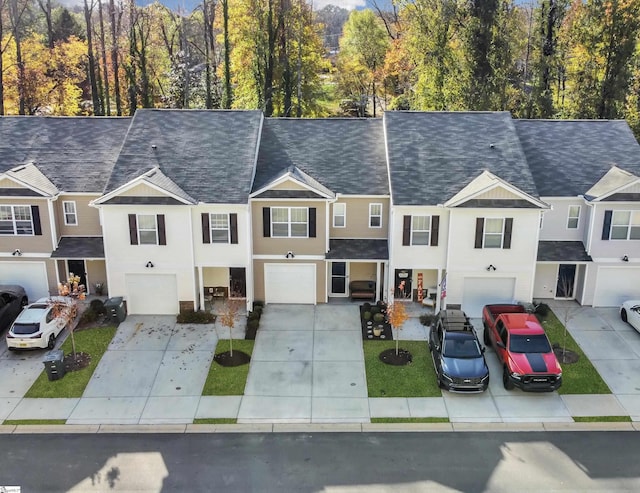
(201, 286)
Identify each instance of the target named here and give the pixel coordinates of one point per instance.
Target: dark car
(12, 300)
(457, 355)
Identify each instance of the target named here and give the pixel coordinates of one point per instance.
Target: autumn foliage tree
(397, 315)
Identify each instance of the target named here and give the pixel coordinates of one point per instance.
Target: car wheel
(623, 315)
(487, 341)
(24, 302)
(52, 342)
(506, 381)
(440, 384)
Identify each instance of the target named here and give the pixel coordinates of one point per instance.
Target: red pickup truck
(527, 358)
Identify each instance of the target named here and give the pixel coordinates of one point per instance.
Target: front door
(566, 281)
(403, 289)
(237, 282)
(338, 278)
(77, 268)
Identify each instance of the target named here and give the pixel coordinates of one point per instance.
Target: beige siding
(362, 271)
(29, 244)
(258, 279)
(142, 190)
(88, 217)
(50, 266)
(96, 272)
(7, 183)
(357, 220)
(498, 193)
(215, 276)
(280, 246)
(288, 185)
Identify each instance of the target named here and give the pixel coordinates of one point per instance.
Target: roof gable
(614, 181)
(296, 180)
(30, 177)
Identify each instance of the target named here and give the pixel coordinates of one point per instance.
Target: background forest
(547, 59)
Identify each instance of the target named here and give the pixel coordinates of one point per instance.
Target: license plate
(22, 344)
(540, 380)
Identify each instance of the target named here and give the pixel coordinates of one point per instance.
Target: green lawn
(215, 421)
(223, 380)
(602, 419)
(577, 378)
(92, 341)
(34, 421)
(414, 380)
(410, 420)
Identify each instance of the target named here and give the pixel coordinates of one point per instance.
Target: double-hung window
(375, 215)
(574, 217)
(625, 225)
(339, 215)
(16, 220)
(219, 228)
(420, 230)
(70, 215)
(147, 229)
(493, 233)
(289, 222)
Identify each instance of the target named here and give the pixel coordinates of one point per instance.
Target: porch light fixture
(149, 264)
(17, 252)
(491, 268)
(290, 254)
(625, 258)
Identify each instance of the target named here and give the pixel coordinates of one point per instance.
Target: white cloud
(345, 4)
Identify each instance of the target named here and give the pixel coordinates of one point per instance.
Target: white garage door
(486, 291)
(615, 285)
(290, 283)
(149, 294)
(32, 276)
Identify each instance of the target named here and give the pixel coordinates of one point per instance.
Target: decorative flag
(420, 287)
(443, 287)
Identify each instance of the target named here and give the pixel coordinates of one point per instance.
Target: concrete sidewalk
(307, 368)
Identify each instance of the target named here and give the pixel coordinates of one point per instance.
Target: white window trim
(343, 215)
(14, 220)
(570, 217)
(484, 233)
(413, 230)
(632, 213)
(155, 229)
(212, 228)
(289, 222)
(74, 213)
(371, 215)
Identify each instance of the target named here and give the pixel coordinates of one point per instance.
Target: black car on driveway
(12, 300)
(457, 355)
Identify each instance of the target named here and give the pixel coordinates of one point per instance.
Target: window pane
(572, 223)
(219, 221)
(621, 218)
(420, 223)
(376, 222)
(299, 230)
(635, 233)
(280, 229)
(375, 209)
(278, 214)
(24, 227)
(147, 222)
(219, 236)
(299, 215)
(6, 227)
(420, 238)
(148, 238)
(493, 226)
(619, 232)
(574, 211)
(493, 241)
(338, 221)
(5, 213)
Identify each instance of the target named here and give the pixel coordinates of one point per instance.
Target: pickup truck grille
(466, 381)
(537, 379)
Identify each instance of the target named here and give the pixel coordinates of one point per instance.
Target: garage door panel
(152, 294)
(32, 276)
(615, 285)
(485, 291)
(290, 283)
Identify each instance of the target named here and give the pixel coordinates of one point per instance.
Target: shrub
(253, 324)
(258, 303)
(542, 309)
(426, 319)
(366, 315)
(374, 310)
(97, 306)
(254, 315)
(258, 309)
(89, 315)
(366, 306)
(191, 317)
(378, 318)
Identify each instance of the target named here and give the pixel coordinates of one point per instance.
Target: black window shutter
(35, 217)
(312, 222)
(435, 229)
(133, 229)
(266, 222)
(162, 235)
(406, 230)
(606, 225)
(206, 231)
(233, 223)
(479, 231)
(508, 228)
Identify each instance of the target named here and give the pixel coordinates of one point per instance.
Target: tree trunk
(227, 97)
(131, 72)
(15, 17)
(1, 64)
(271, 60)
(114, 58)
(97, 108)
(46, 10)
(287, 84)
(103, 52)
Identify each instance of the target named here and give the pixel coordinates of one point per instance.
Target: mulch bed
(226, 359)
(80, 361)
(390, 357)
(565, 356)
(367, 330)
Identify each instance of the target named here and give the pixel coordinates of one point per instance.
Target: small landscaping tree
(228, 318)
(397, 316)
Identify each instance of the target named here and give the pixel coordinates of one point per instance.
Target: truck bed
(492, 311)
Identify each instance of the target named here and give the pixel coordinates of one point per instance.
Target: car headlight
(444, 375)
(516, 375)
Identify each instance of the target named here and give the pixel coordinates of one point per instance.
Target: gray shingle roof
(79, 247)
(75, 153)
(567, 157)
(358, 249)
(562, 251)
(433, 155)
(345, 155)
(210, 154)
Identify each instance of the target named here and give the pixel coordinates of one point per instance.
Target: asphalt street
(332, 462)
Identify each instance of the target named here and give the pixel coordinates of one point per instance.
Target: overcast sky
(345, 4)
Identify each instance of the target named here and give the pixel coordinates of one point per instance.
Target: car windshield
(25, 329)
(529, 344)
(461, 348)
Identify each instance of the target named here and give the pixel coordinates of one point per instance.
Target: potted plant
(378, 318)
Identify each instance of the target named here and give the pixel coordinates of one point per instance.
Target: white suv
(36, 326)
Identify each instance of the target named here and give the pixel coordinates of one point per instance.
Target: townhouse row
(172, 208)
